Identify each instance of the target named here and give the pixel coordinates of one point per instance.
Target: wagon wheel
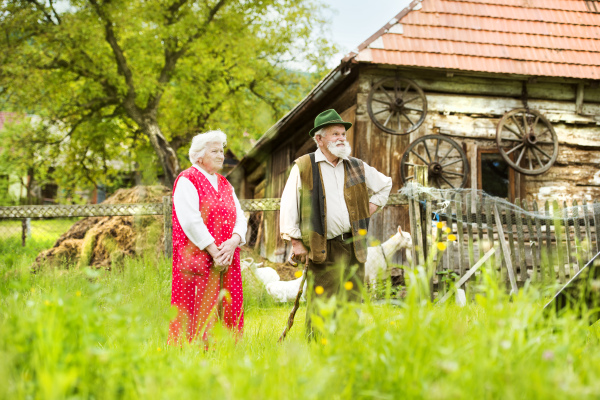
(446, 162)
(527, 141)
(397, 105)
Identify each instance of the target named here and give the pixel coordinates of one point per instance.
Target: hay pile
(103, 241)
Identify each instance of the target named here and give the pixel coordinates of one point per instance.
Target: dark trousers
(340, 266)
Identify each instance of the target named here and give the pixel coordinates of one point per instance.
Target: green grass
(84, 334)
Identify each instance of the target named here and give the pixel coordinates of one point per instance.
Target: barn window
(495, 177)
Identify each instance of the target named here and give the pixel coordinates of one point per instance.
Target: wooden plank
(588, 233)
(533, 247)
(440, 258)
(511, 241)
(449, 244)
(521, 240)
(428, 243)
(551, 276)
(569, 257)
(468, 274)
(578, 238)
(460, 235)
(478, 208)
(490, 228)
(413, 232)
(505, 251)
(538, 228)
(558, 232)
(419, 230)
(596, 209)
(470, 231)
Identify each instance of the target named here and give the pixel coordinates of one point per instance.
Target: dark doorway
(495, 175)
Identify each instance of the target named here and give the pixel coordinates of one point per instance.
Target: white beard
(340, 152)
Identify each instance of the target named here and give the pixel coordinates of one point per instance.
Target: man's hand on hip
(299, 251)
(373, 208)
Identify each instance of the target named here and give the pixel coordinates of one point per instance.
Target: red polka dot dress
(195, 288)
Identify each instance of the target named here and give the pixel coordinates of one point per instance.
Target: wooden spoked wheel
(446, 162)
(527, 141)
(397, 106)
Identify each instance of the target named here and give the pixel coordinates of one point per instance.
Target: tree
(162, 70)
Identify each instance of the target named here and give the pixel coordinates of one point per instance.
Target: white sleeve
(379, 184)
(187, 207)
(241, 223)
(289, 217)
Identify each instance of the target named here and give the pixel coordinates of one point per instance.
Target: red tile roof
(527, 37)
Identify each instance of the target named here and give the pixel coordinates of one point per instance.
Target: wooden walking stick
(290, 321)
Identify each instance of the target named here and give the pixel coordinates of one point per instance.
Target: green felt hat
(329, 117)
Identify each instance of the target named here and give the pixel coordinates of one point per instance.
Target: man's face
(334, 142)
(336, 135)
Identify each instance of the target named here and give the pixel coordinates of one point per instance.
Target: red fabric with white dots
(195, 288)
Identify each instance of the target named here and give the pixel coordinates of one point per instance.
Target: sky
(354, 21)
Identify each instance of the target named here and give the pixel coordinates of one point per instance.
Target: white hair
(321, 132)
(199, 142)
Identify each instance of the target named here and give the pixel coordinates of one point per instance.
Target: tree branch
(47, 15)
(122, 65)
(172, 55)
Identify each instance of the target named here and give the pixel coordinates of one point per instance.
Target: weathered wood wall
(468, 109)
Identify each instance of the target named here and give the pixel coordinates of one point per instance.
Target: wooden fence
(545, 243)
(541, 243)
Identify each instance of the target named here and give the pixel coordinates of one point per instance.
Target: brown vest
(313, 209)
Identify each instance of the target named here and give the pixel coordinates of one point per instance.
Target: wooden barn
(498, 95)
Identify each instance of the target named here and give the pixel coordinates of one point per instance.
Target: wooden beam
(468, 274)
(506, 252)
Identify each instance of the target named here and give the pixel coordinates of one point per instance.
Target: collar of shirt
(199, 168)
(319, 156)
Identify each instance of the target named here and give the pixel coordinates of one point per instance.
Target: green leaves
(114, 72)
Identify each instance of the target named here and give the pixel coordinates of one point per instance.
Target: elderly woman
(208, 228)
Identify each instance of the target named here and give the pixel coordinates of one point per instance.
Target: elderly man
(326, 206)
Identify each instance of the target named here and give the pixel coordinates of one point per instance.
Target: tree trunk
(166, 154)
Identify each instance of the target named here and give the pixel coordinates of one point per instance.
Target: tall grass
(85, 333)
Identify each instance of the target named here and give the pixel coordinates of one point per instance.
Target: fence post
(167, 214)
(25, 230)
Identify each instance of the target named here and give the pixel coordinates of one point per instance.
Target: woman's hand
(219, 264)
(227, 250)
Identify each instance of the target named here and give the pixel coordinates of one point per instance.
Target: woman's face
(213, 157)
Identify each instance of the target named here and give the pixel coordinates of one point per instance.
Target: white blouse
(187, 207)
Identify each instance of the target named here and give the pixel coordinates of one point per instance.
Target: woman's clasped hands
(223, 254)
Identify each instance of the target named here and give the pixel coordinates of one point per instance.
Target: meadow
(84, 333)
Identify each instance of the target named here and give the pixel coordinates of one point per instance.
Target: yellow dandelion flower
(158, 349)
(392, 323)
(440, 225)
(32, 290)
(451, 237)
(441, 246)
(78, 294)
(348, 285)
(323, 341)
(362, 232)
(298, 274)
(448, 230)
(319, 290)
(47, 302)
